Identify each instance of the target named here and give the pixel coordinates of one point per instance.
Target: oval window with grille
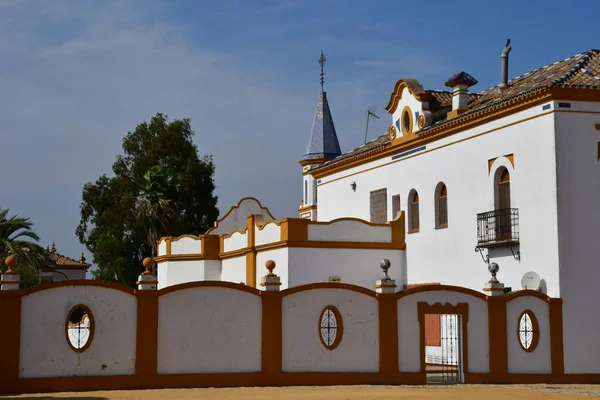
(528, 331)
(80, 328)
(331, 327)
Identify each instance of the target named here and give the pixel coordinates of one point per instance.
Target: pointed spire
(323, 141)
(53, 249)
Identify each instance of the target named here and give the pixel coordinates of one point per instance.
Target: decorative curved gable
(409, 106)
(237, 216)
(414, 88)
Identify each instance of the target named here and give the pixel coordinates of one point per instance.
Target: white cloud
(67, 105)
(77, 76)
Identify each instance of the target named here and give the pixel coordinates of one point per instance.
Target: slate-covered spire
(323, 142)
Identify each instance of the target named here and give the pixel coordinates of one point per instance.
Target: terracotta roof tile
(56, 260)
(579, 71)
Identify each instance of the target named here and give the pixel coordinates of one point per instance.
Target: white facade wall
(186, 245)
(357, 267)
(350, 231)
(175, 272)
(303, 351)
(520, 361)
(408, 329)
(270, 233)
(447, 255)
(234, 269)
(209, 330)
(45, 351)
(236, 241)
(578, 180)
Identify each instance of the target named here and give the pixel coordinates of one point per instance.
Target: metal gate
(445, 367)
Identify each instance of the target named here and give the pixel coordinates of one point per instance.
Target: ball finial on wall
(385, 265)
(11, 262)
(148, 263)
(493, 268)
(270, 265)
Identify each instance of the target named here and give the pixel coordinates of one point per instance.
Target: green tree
(16, 237)
(161, 187)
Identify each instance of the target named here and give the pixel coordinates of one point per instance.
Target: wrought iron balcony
(498, 228)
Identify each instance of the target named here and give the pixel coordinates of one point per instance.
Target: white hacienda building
(509, 175)
(460, 184)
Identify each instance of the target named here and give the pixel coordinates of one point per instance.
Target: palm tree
(154, 206)
(14, 232)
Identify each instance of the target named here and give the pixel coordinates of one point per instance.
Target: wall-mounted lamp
(353, 186)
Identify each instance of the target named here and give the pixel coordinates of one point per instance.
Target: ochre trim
(328, 285)
(263, 208)
(10, 337)
(497, 331)
(209, 380)
(339, 331)
(467, 122)
(510, 158)
(210, 247)
(557, 358)
(390, 150)
(414, 88)
(272, 336)
(456, 125)
(307, 208)
(251, 255)
(294, 230)
(271, 374)
(455, 113)
(406, 110)
(388, 334)
(436, 287)
(197, 284)
(78, 282)
(461, 309)
(146, 353)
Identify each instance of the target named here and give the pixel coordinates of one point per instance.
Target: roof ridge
(585, 53)
(584, 59)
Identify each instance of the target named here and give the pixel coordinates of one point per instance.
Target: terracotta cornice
(461, 123)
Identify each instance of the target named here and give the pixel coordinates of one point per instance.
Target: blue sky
(76, 75)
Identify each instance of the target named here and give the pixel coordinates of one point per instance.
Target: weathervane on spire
(322, 61)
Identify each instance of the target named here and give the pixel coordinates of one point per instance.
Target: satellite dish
(530, 281)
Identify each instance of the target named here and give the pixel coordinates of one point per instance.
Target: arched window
(414, 211)
(502, 214)
(441, 206)
(502, 189)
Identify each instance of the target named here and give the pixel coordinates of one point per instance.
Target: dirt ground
(463, 392)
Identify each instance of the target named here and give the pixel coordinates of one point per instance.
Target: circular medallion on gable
(392, 132)
(421, 121)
